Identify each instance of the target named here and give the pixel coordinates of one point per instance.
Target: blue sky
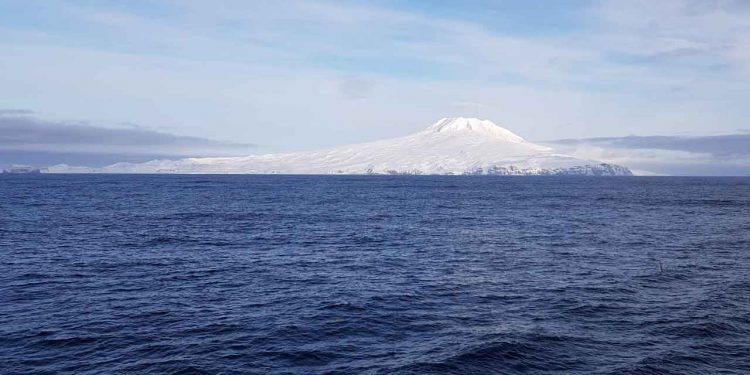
(291, 75)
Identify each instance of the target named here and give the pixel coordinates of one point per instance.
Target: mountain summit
(462, 124)
(453, 145)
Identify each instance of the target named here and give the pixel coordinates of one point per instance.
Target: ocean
(178, 274)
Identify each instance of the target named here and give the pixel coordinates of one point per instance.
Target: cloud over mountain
(697, 155)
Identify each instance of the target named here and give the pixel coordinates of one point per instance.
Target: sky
(240, 77)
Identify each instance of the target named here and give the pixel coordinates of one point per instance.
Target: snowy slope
(450, 146)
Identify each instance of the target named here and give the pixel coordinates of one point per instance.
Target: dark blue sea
(162, 274)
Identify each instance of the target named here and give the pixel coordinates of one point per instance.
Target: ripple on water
(373, 275)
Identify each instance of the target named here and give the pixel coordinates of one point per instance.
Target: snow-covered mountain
(450, 146)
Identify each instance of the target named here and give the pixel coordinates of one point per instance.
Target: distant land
(451, 146)
(24, 169)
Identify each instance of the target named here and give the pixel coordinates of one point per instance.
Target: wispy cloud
(16, 112)
(688, 31)
(719, 145)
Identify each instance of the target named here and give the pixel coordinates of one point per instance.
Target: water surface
(373, 275)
